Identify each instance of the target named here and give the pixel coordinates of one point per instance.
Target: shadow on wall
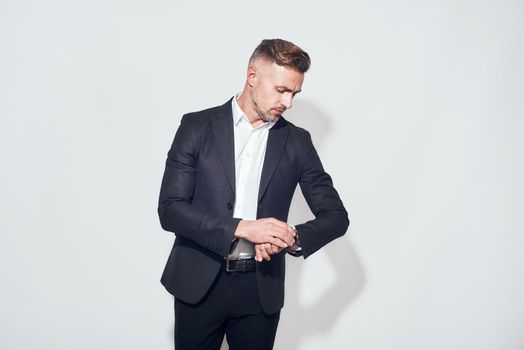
(299, 321)
(305, 115)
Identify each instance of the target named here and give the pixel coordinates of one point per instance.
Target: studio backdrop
(414, 107)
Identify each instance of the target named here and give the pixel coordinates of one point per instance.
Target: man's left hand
(265, 250)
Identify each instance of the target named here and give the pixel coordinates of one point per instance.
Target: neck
(246, 105)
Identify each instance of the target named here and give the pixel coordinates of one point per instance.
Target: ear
(251, 75)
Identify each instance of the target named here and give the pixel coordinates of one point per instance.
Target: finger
(269, 248)
(258, 255)
(282, 235)
(278, 242)
(286, 236)
(274, 248)
(290, 234)
(264, 253)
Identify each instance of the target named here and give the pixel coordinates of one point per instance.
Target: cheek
(267, 97)
(268, 100)
(273, 98)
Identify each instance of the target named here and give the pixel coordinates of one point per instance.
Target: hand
(265, 250)
(267, 230)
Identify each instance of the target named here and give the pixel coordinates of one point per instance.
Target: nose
(287, 100)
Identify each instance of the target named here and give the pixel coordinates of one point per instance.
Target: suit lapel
(276, 143)
(225, 141)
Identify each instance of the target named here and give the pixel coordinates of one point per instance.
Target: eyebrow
(287, 89)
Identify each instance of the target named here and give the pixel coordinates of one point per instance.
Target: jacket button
(229, 206)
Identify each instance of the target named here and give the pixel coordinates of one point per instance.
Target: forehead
(282, 76)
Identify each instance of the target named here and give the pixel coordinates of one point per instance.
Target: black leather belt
(241, 265)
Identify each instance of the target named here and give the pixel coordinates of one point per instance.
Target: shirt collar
(238, 114)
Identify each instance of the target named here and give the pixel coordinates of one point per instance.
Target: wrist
(240, 232)
(297, 241)
(296, 248)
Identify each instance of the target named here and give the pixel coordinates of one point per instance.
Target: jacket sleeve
(175, 209)
(331, 218)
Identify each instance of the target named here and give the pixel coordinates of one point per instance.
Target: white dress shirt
(250, 150)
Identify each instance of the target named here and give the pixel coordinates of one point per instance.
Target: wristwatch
(296, 248)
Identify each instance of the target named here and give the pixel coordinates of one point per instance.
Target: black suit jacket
(198, 193)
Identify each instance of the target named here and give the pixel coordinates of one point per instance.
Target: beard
(265, 116)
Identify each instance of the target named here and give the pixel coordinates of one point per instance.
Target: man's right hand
(266, 230)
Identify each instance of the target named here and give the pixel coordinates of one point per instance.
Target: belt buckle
(240, 265)
(230, 262)
(228, 269)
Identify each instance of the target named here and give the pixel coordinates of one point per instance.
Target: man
(230, 176)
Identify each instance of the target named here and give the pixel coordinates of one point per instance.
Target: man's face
(273, 88)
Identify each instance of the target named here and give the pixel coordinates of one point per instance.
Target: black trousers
(231, 307)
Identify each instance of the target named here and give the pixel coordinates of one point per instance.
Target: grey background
(415, 108)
